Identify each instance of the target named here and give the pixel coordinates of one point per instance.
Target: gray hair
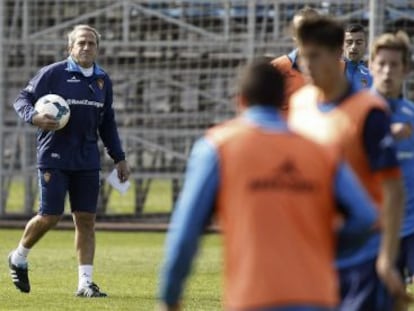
(72, 34)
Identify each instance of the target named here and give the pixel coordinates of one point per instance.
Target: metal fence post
(376, 19)
(3, 100)
(251, 29)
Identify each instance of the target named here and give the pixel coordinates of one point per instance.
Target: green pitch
(126, 267)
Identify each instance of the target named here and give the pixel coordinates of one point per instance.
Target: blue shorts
(361, 289)
(82, 186)
(405, 261)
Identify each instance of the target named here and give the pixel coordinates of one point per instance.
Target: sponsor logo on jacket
(286, 177)
(84, 102)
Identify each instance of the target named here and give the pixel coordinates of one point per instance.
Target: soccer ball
(55, 106)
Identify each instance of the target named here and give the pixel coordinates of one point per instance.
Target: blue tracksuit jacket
(358, 73)
(75, 147)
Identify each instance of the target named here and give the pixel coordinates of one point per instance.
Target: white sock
(19, 256)
(85, 275)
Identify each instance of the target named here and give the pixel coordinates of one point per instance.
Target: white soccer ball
(56, 106)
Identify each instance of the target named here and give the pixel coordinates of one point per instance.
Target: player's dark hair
(322, 30)
(354, 28)
(262, 84)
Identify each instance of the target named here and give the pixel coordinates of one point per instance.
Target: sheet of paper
(114, 181)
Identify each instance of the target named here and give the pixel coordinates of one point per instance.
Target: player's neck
(335, 90)
(87, 72)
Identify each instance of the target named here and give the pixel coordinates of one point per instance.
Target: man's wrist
(33, 114)
(119, 160)
(384, 260)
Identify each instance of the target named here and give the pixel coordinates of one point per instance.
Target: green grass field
(126, 267)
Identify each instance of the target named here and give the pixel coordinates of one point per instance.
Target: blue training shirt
(75, 147)
(196, 202)
(358, 73)
(380, 156)
(403, 111)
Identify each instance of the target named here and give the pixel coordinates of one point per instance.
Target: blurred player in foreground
(389, 62)
(332, 110)
(275, 195)
(68, 159)
(355, 47)
(288, 64)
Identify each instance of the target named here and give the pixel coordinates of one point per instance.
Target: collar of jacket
(72, 66)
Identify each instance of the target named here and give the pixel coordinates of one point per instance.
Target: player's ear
(340, 52)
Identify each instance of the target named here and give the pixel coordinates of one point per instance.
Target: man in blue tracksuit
(390, 59)
(68, 159)
(355, 46)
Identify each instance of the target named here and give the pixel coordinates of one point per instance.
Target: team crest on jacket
(46, 176)
(100, 83)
